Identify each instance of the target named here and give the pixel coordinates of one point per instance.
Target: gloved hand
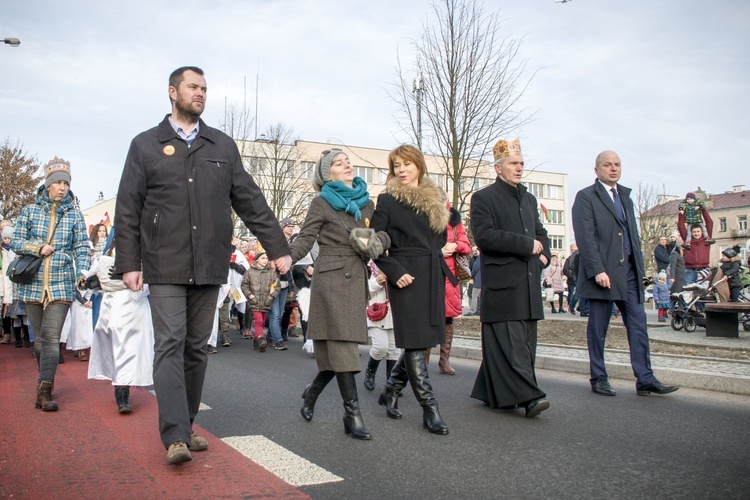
(366, 242)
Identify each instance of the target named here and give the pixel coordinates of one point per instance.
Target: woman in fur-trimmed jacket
(413, 212)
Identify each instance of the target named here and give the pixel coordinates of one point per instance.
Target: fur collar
(426, 199)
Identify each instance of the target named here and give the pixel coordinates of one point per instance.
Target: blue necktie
(621, 215)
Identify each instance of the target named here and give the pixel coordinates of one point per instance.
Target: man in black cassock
(515, 249)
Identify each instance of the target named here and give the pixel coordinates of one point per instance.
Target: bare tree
(273, 160)
(656, 217)
(469, 78)
(20, 175)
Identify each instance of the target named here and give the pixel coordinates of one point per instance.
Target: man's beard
(186, 109)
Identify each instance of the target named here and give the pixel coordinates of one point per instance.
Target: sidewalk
(44, 455)
(697, 372)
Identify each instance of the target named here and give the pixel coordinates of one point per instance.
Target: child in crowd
(123, 347)
(730, 266)
(661, 296)
(261, 286)
(379, 329)
(78, 330)
(693, 211)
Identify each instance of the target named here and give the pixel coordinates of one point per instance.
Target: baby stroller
(685, 312)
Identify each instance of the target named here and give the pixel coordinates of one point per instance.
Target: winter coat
(263, 284)
(476, 273)
(456, 233)
(676, 271)
(661, 257)
(553, 277)
(602, 246)
(56, 279)
(505, 222)
(338, 291)
(731, 270)
(416, 220)
(661, 294)
(6, 285)
(698, 256)
(174, 207)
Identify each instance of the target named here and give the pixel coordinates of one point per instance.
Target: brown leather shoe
(178, 453)
(197, 443)
(44, 399)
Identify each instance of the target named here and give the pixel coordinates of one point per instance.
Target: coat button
(348, 275)
(190, 180)
(525, 230)
(195, 227)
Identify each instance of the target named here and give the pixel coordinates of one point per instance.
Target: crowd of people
(153, 300)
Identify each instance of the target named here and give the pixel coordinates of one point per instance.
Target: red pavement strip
(88, 450)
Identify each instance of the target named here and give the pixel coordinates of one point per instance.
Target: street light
(13, 42)
(418, 88)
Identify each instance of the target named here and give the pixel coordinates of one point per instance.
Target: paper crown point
(56, 165)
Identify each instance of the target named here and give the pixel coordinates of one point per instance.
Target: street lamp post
(418, 89)
(13, 42)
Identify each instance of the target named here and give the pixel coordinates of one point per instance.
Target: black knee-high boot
(353, 422)
(18, 332)
(420, 384)
(396, 381)
(26, 336)
(372, 367)
(389, 364)
(312, 391)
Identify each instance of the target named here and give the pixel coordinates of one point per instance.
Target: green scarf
(349, 199)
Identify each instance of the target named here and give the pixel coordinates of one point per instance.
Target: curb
(693, 379)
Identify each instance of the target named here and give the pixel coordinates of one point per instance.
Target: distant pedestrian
(260, 285)
(661, 296)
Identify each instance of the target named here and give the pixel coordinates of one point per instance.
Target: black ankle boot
(353, 422)
(26, 336)
(312, 391)
(18, 332)
(420, 383)
(122, 396)
(396, 381)
(372, 367)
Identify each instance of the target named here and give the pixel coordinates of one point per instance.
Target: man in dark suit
(611, 270)
(514, 248)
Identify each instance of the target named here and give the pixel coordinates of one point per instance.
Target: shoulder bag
(463, 272)
(23, 269)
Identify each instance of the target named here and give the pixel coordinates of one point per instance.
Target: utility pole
(418, 89)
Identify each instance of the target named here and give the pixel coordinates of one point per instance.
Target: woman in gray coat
(676, 270)
(338, 220)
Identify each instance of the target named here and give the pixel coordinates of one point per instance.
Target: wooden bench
(722, 318)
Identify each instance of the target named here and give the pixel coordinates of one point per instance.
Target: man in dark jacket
(180, 182)
(661, 255)
(515, 248)
(611, 270)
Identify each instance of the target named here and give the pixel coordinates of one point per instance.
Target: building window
(555, 216)
(722, 224)
(363, 172)
(742, 223)
(306, 169)
(479, 183)
(381, 175)
(536, 189)
(438, 179)
(554, 192)
(556, 242)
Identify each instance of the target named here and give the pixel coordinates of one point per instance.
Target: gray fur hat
(322, 172)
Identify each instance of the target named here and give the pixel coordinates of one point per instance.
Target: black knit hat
(732, 252)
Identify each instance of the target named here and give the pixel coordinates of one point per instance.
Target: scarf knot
(348, 199)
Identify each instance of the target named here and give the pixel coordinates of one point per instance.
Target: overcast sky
(664, 83)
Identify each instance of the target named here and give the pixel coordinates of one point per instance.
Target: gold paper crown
(57, 165)
(504, 149)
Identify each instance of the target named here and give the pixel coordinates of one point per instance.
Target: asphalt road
(691, 444)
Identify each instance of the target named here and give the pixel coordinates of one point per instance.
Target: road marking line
(288, 466)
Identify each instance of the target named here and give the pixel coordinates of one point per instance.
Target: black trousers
(183, 317)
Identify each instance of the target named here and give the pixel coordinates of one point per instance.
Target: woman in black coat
(412, 211)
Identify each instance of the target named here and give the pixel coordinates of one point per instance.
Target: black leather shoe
(655, 387)
(602, 387)
(536, 407)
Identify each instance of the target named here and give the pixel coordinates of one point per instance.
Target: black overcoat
(505, 222)
(418, 309)
(601, 243)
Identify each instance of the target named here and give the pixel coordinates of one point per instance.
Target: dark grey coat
(676, 271)
(505, 222)
(174, 207)
(601, 243)
(338, 292)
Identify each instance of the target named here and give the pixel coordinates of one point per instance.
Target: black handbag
(23, 269)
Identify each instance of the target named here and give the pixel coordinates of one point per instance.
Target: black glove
(238, 268)
(113, 275)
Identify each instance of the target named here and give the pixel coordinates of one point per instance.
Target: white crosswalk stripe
(288, 466)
